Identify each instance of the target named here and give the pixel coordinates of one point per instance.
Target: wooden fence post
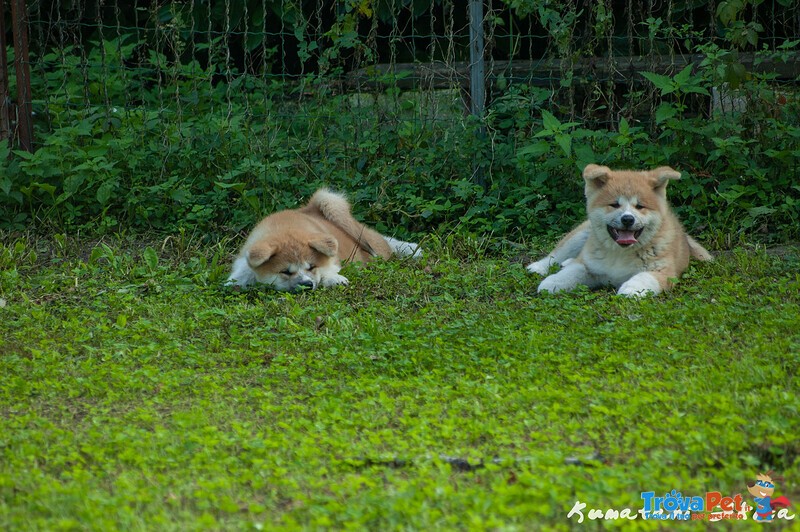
(5, 99)
(19, 26)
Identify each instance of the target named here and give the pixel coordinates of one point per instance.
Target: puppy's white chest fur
(612, 268)
(611, 265)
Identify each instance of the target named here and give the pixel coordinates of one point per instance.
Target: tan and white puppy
(305, 248)
(631, 241)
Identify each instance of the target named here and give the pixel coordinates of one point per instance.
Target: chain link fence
(588, 55)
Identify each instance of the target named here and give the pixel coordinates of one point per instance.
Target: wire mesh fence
(589, 55)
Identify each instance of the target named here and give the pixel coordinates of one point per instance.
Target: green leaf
(64, 196)
(46, 187)
(664, 83)
(752, 35)
(150, 257)
(760, 211)
(23, 154)
(237, 186)
(549, 121)
(565, 142)
(735, 74)
(253, 202)
(584, 154)
(682, 77)
(534, 150)
(624, 127)
(728, 11)
(694, 89)
(72, 182)
(664, 112)
(180, 195)
(96, 254)
(104, 192)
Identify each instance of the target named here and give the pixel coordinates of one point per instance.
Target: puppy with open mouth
(631, 240)
(304, 248)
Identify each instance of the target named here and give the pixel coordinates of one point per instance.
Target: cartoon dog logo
(762, 490)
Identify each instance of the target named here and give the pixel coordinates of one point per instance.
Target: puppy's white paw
(409, 249)
(554, 284)
(542, 267)
(570, 276)
(640, 285)
(333, 280)
(404, 249)
(241, 274)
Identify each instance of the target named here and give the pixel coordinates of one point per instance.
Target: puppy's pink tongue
(625, 238)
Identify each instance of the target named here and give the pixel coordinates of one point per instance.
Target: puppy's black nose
(627, 220)
(304, 285)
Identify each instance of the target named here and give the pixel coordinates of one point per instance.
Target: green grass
(139, 393)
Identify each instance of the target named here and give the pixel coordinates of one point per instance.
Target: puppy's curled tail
(332, 205)
(336, 209)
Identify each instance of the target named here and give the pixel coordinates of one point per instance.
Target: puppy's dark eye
(615, 205)
(639, 206)
(311, 267)
(286, 272)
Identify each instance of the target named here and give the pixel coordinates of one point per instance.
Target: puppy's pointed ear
(260, 253)
(662, 175)
(325, 244)
(596, 175)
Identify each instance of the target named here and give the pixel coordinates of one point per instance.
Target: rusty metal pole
(477, 66)
(19, 26)
(5, 99)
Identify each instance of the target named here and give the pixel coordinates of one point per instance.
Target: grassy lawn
(139, 393)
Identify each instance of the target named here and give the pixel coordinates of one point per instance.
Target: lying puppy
(632, 240)
(305, 248)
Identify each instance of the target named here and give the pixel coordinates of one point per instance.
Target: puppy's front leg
(571, 275)
(568, 248)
